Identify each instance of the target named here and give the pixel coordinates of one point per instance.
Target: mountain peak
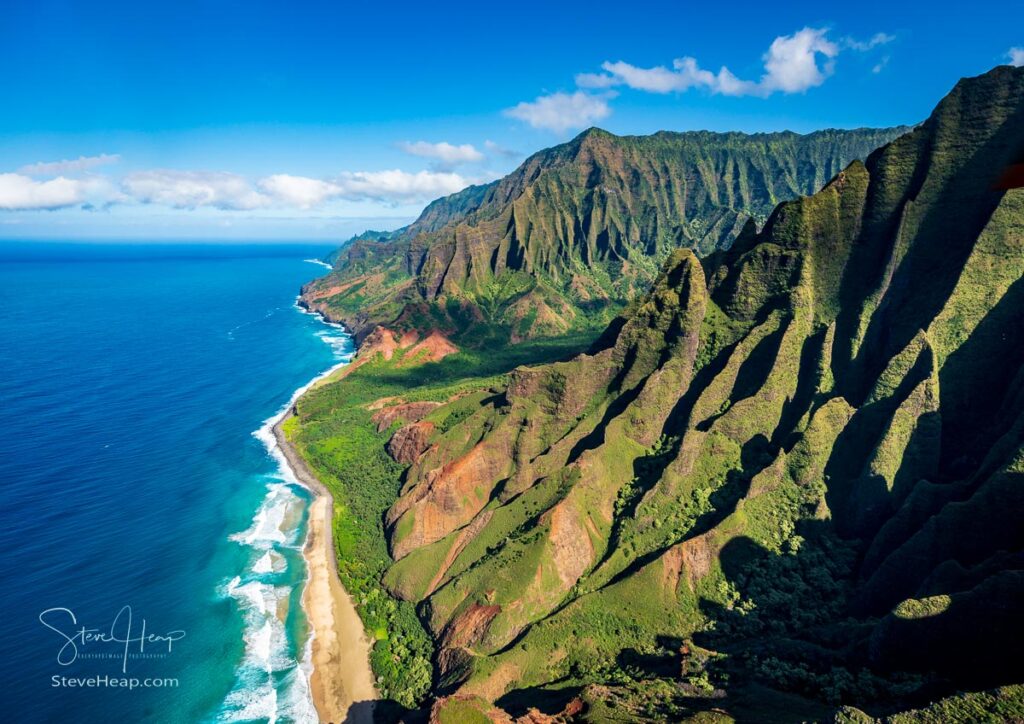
(591, 135)
(594, 131)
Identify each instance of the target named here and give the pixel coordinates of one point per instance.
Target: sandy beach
(341, 652)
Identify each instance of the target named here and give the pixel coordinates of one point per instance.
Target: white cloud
(596, 80)
(793, 64)
(22, 192)
(685, 75)
(19, 192)
(1016, 56)
(226, 191)
(298, 190)
(397, 186)
(390, 187)
(562, 111)
(729, 85)
(443, 152)
(880, 65)
(78, 165)
(873, 42)
(192, 189)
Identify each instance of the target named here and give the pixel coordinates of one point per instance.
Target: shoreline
(341, 675)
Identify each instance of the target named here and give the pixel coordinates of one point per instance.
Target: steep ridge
(576, 231)
(796, 464)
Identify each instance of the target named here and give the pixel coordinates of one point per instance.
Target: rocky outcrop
(409, 442)
(388, 414)
(450, 496)
(432, 348)
(386, 343)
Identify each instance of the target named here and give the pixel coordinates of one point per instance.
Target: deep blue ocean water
(132, 379)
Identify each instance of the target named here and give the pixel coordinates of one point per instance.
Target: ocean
(152, 566)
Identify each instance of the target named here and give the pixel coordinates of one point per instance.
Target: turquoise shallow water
(133, 379)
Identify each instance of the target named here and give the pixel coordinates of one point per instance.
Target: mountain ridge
(834, 422)
(576, 230)
(784, 483)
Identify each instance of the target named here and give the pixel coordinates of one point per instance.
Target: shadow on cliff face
(666, 661)
(972, 637)
(957, 202)
(546, 700)
(785, 631)
(789, 628)
(384, 711)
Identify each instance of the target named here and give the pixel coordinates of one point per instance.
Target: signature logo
(129, 638)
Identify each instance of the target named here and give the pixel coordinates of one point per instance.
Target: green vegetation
(335, 434)
(783, 484)
(576, 232)
(999, 705)
(922, 608)
(364, 483)
(464, 711)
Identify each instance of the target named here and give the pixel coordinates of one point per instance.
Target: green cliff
(576, 231)
(784, 484)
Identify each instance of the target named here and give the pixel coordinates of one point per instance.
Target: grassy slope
(334, 433)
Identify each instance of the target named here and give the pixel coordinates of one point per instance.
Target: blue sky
(299, 121)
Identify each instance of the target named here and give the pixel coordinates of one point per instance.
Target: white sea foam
(313, 313)
(318, 261)
(260, 645)
(271, 683)
(289, 701)
(256, 694)
(260, 693)
(265, 433)
(257, 599)
(268, 526)
(340, 344)
(270, 562)
(298, 703)
(257, 703)
(264, 564)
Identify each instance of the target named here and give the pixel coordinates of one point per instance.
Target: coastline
(341, 673)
